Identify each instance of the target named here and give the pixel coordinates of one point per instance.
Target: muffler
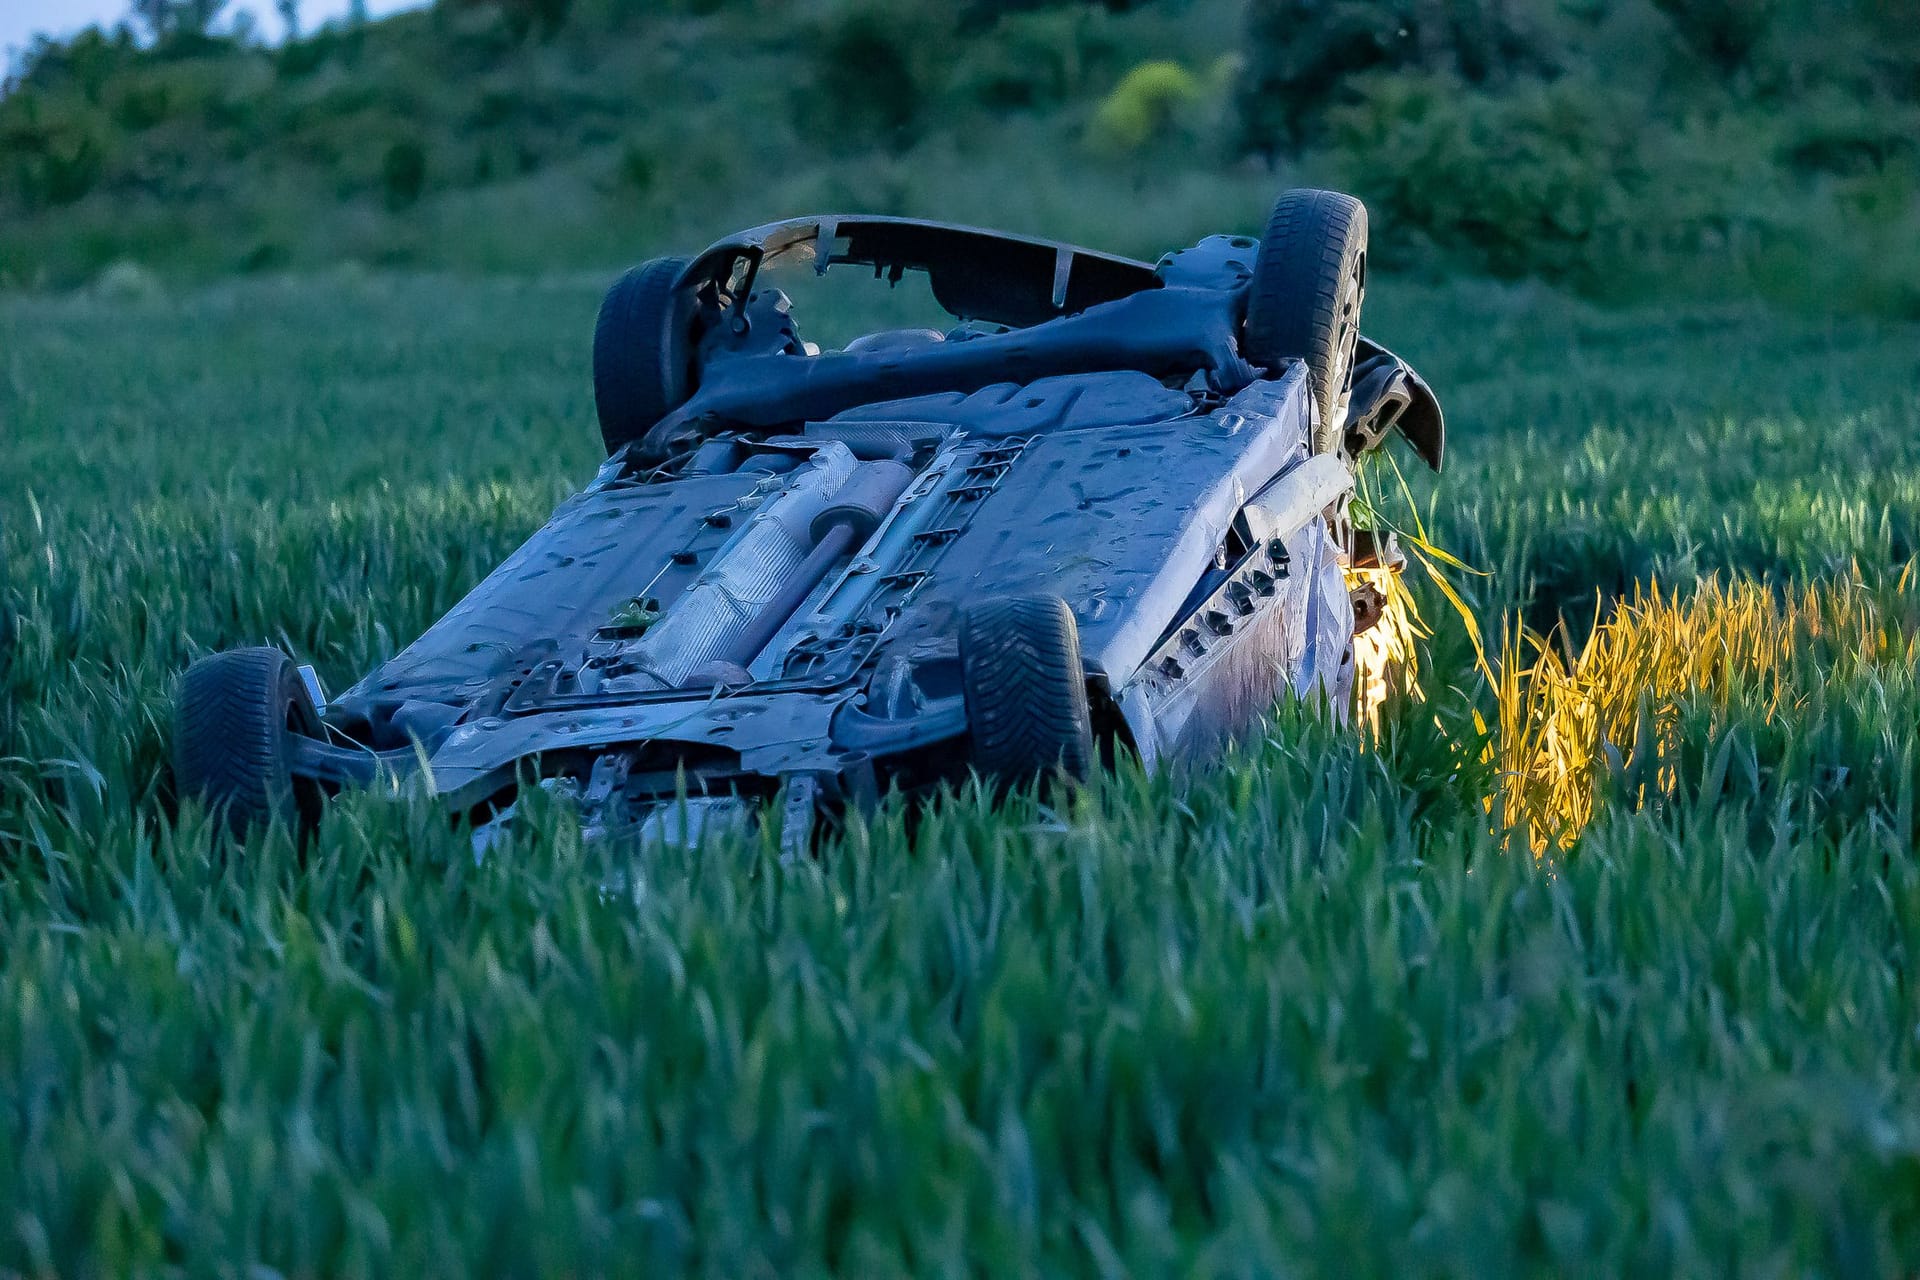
(741, 600)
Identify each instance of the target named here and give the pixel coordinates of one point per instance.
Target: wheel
(1304, 300)
(1026, 694)
(233, 718)
(642, 351)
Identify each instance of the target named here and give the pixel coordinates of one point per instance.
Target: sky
(21, 20)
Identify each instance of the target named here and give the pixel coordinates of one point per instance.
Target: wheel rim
(1346, 341)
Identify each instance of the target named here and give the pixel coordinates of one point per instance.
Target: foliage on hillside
(1638, 147)
(1612, 145)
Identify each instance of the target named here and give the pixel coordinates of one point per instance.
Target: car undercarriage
(1102, 514)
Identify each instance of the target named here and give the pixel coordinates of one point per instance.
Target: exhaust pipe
(741, 599)
(849, 520)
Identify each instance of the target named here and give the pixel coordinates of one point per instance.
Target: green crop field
(1603, 958)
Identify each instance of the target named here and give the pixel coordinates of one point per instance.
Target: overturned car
(1107, 510)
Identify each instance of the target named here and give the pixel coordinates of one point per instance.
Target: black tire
(1304, 300)
(1026, 693)
(642, 351)
(233, 717)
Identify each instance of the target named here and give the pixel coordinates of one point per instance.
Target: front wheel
(1026, 692)
(234, 718)
(642, 351)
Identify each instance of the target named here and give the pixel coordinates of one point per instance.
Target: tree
(169, 20)
(1723, 33)
(1302, 53)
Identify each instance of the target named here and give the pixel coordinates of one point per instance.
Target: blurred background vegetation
(1628, 150)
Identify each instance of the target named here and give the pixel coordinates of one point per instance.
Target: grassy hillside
(1639, 149)
(1606, 964)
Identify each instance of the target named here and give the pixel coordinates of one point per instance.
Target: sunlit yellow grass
(1566, 720)
(1384, 657)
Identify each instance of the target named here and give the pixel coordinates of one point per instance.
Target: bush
(52, 152)
(1300, 54)
(639, 166)
(599, 16)
(1723, 33)
(542, 18)
(1143, 107)
(1303, 56)
(1035, 60)
(185, 23)
(403, 173)
(87, 63)
(875, 66)
(979, 14)
(142, 104)
(1531, 181)
(302, 57)
(214, 89)
(1835, 134)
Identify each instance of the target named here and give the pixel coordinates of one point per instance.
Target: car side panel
(1210, 683)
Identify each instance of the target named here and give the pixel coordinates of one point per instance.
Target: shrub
(639, 166)
(403, 173)
(1143, 107)
(1836, 134)
(89, 62)
(184, 21)
(1516, 183)
(1300, 53)
(301, 57)
(1033, 60)
(265, 255)
(1303, 56)
(142, 104)
(486, 29)
(978, 14)
(595, 16)
(214, 89)
(1723, 33)
(52, 152)
(874, 68)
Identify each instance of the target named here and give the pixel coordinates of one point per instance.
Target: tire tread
(639, 352)
(1026, 690)
(1313, 238)
(229, 735)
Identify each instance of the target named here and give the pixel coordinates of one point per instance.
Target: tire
(642, 352)
(1026, 693)
(234, 715)
(1304, 300)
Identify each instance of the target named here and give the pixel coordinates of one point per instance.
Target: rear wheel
(1304, 300)
(234, 718)
(642, 351)
(1026, 693)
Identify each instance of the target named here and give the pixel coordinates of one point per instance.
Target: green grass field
(1605, 964)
